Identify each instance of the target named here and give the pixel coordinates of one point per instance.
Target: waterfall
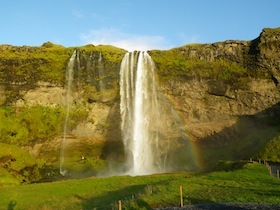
(101, 72)
(139, 113)
(90, 70)
(68, 101)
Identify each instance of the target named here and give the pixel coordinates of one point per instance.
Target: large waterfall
(139, 113)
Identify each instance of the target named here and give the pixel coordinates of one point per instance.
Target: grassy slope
(16, 165)
(252, 183)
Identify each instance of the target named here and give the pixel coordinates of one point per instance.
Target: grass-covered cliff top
(230, 61)
(271, 33)
(227, 61)
(27, 65)
(176, 65)
(22, 67)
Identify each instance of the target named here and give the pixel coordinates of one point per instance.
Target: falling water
(78, 72)
(89, 69)
(68, 100)
(101, 72)
(139, 112)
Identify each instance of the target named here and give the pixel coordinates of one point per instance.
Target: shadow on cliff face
(243, 140)
(113, 150)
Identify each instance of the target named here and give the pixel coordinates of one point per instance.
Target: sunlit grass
(250, 183)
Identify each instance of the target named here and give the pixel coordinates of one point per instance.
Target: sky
(134, 24)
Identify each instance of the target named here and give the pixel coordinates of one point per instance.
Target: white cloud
(123, 40)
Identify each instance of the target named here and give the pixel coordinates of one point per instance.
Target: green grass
(250, 183)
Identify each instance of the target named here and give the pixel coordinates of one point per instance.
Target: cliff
(224, 97)
(223, 80)
(227, 95)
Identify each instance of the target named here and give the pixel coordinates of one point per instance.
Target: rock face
(237, 112)
(206, 112)
(225, 95)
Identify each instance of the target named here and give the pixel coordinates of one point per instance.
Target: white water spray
(68, 101)
(139, 112)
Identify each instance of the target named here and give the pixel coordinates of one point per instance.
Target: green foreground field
(244, 182)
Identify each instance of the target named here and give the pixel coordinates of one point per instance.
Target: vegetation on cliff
(173, 65)
(28, 125)
(27, 65)
(22, 67)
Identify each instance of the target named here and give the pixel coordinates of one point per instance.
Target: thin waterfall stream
(68, 101)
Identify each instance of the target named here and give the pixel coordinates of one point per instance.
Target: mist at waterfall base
(153, 136)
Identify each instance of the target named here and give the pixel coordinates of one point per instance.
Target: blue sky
(134, 24)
